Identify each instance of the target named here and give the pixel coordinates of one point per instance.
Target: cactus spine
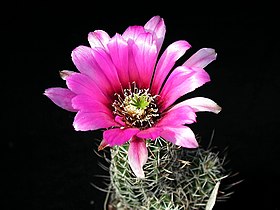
(175, 178)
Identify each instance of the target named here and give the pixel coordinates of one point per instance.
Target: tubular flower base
(176, 178)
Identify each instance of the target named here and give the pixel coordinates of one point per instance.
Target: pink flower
(124, 88)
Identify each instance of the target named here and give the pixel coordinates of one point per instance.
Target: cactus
(175, 178)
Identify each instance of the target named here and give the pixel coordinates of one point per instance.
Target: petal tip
(65, 73)
(140, 175)
(102, 145)
(46, 92)
(218, 109)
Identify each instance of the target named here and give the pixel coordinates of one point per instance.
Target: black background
(48, 165)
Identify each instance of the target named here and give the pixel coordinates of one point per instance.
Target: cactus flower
(127, 89)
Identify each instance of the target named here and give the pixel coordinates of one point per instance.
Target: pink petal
(150, 133)
(98, 38)
(119, 136)
(86, 103)
(201, 104)
(84, 60)
(132, 32)
(85, 121)
(166, 62)
(134, 75)
(156, 26)
(106, 65)
(201, 58)
(181, 81)
(62, 97)
(119, 120)
(178, 115)
(181, 136)
(95, 64)
(118, 49)
(103, 145)
(137, 156)
(84, 85)
(145, 56)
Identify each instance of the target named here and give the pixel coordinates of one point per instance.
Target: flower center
(136, 107)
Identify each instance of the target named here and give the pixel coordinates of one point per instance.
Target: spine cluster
(175, 178)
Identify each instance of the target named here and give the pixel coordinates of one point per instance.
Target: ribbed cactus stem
(175, 178)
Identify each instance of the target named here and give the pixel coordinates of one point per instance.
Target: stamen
(137, 107)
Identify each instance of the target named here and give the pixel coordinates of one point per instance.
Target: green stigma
(140, 101)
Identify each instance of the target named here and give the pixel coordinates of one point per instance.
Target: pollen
(137, 107)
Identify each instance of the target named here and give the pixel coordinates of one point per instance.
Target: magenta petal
(181, 81)
(84, 59)
(84, 85)
(150, 133)
(156, 26)
(145, 56)
(134, 75)
(201, 104)
(119, 120)
(118, 49)
(132, 32)
(103, 144)
(178, 115)
(85, 121)
(166, 62)
(98, 65)
(107, 66)
(201, 58)
(86, 103)
(98, 38)
(181, 136)
(119, 136)
(137, 156)
(62, 97)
